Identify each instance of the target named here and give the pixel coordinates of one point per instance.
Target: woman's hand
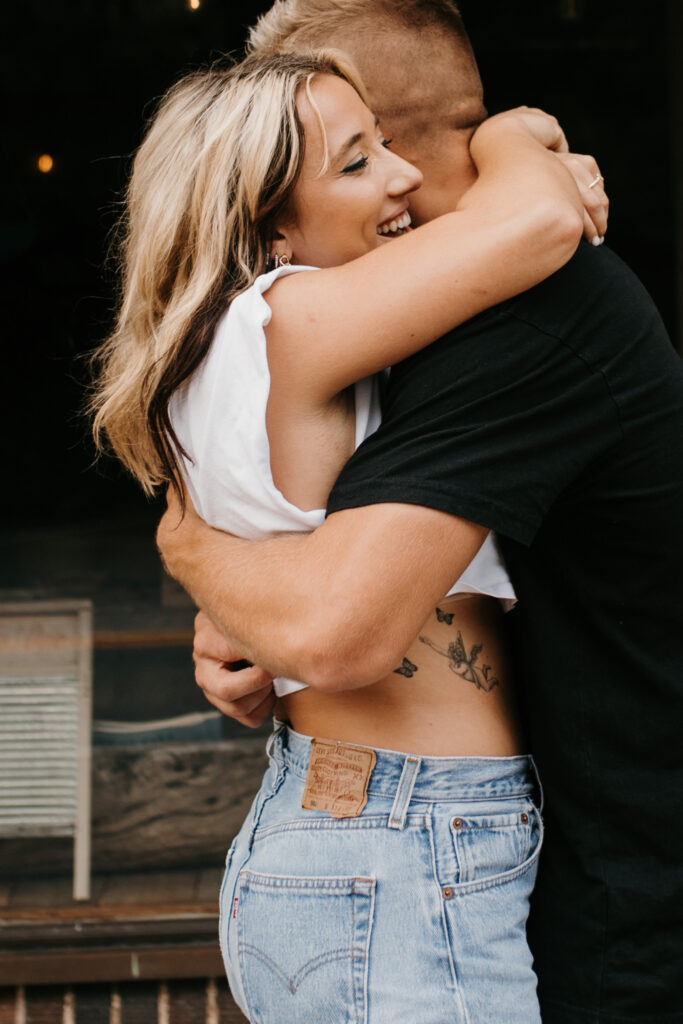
(591, 185)
(547, 131)
(542, 127)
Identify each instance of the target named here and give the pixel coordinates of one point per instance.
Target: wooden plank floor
(145, 926)
(203, 1001)
(142, 950)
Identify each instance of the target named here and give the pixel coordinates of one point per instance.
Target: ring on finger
(596, 180)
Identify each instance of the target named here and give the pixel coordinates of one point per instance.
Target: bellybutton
(447, 892)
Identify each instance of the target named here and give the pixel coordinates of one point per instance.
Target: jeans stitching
(339, 885)
(516, 791)
(353, 972)
(345, 886)
(415, 821)
(295, 981)
(465, 888)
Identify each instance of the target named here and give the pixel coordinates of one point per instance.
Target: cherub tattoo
(463, 665)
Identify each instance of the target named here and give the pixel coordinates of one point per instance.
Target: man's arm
(335, 609)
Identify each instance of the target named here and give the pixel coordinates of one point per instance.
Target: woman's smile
(398, 225)
(352, 194)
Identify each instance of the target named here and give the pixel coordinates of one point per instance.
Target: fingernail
(597, 240)
(602, 240)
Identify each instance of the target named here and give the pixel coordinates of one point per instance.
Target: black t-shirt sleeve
(491, 423)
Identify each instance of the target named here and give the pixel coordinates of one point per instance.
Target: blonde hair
(291, 25)
(215, 171)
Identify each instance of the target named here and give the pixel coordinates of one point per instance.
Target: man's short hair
(305, 24)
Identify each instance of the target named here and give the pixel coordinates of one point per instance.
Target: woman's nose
(405, 177)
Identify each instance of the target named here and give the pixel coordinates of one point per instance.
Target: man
(557, 420)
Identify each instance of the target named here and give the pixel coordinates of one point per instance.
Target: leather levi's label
(337, 778)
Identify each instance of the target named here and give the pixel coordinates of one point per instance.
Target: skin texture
(430, 121)
(519, 222)
(410, 288)
(337, 213)
(386, 566)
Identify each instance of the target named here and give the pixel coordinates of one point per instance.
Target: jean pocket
(303, 947)
(495, 848)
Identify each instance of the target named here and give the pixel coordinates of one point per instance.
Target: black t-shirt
(556, 419)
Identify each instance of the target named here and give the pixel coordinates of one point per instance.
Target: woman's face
(361, 201)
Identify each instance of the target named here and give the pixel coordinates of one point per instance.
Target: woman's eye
(358, 165)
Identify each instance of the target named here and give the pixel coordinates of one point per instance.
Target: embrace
(475, 661)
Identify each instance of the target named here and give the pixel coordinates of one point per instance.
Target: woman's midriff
(452, 695)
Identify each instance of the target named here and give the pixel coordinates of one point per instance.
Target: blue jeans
(413, 912)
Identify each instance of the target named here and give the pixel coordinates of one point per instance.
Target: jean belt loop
(404, 792)
(539, 784)
(274, 744)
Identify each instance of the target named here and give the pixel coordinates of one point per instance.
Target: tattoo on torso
(459, 661)
(407, 669)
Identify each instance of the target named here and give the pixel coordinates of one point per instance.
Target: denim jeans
(413, 912)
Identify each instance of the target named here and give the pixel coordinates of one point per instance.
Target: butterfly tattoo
(407, 669)
(446, 617)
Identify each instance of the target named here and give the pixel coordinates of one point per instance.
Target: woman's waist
(451, 694)
(431, 721)
(431, 778)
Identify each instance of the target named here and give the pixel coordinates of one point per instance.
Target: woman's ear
(281, 249)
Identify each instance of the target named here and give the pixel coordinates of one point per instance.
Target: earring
(279, 261)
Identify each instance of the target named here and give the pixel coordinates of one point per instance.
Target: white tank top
(219, 416)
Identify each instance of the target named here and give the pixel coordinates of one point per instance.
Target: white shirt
(219, 416)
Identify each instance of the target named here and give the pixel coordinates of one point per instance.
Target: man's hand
(240, 690)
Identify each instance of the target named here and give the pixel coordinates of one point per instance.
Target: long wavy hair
(214, 174)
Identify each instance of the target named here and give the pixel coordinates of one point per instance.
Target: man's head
(418, 67)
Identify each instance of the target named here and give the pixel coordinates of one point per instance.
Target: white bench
(45, 725)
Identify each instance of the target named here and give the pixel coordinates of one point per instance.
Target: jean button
(457, 822)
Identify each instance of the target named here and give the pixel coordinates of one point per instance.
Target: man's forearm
(227, 577)
(336, 608)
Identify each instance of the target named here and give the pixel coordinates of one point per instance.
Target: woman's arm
(518, 224)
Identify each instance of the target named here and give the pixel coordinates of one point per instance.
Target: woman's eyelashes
(357, 165)
(363, 161)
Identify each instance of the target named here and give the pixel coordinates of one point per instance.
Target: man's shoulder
(591, 316)
(594, 301)
(593, 290)
(593, 287)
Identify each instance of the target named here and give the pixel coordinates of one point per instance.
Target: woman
(351, 851)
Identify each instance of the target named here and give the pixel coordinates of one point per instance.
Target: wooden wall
(157, 807)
